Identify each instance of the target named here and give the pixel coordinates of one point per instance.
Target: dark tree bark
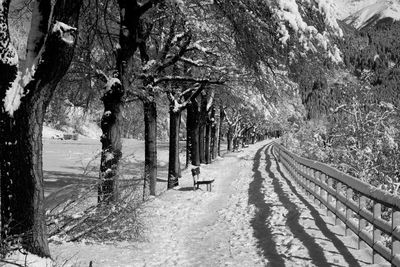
(22, 211)
(208, 141)
(189, 129)
(215, 137)
(220, 134)
(111, 152)
(202, 134)
(207, 144)
(229, 137)
(193, 132)
(150, 128)
(202, 128)
(214, 141)
(130, 14)
(174, 163)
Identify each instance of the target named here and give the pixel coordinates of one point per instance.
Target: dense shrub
(359, 136)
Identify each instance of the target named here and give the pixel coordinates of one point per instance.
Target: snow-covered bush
(309, 140)
(359, 136)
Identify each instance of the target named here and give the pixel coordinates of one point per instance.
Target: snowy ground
(253, 217)
(70, 162)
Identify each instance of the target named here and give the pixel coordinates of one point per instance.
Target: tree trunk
(22, 210)
(220, 134)
(111, 150)
(203, 124)
(22, 194)
(229, 139)
(174, 164)
(193, 132)
(213, 142)
(207, 144)
(215, 139)
(202, 133)
(111, 154)
(150, 128)
(196, 146)
(189, 129)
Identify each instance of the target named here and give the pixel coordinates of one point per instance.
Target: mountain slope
(370, 15)
(345, 8)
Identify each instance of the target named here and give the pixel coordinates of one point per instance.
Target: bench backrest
(196, 171)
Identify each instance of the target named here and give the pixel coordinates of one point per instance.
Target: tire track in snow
(319, 222)
(315, 251)
(262, 232)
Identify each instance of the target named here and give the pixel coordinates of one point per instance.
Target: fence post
(329, 196)
(337, 204)
(377, 235)
(314, 185)
(361, 222)
(293, 167)
(297, 170)
(317, 187)
(323, 192)
(349, 212)
(308, 183)
(301, 178)
(305, 181)
(395, 224)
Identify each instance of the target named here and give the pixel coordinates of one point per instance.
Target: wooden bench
(196, 182)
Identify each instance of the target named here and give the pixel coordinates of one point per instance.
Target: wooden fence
(372, 214)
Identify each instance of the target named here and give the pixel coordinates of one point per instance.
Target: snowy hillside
(345, 8)
(367, 13)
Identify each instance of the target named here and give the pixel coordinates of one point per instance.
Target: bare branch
(147, 5)
(187, 79)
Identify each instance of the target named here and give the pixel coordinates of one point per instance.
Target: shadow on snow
(315, 251)
(261, 230)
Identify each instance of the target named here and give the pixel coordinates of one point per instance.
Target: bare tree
(113, 99)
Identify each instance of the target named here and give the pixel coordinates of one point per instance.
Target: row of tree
(214, 60)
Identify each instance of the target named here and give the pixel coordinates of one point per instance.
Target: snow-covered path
(254, 216)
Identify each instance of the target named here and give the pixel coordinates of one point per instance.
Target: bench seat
(197, 182)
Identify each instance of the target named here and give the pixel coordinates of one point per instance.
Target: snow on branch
(111, 82)
(287, 13)
(186, 79)
(143, 7)
(15, 92)
(66, 32)
(196, 46)
(200, 63)
(210, 100)
(102, 76)
(171, 59)
(9, 55)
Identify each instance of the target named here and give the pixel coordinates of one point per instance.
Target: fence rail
(372, 214)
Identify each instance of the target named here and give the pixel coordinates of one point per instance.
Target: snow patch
(10, 56)
(15, 92)
(22, 258)
(65, 32)
(111, 82)
(374, 12)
